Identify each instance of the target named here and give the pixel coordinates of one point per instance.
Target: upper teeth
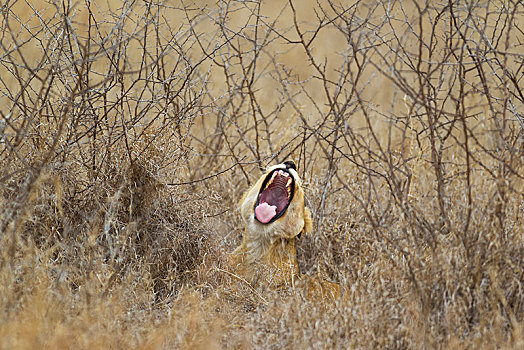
(281, 173)
(271, 180)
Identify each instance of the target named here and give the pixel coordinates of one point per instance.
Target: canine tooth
(288, 182)
(271, 180)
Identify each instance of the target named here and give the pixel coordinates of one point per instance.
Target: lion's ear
(308, 222)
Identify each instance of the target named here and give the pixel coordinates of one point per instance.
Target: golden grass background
(130, 130)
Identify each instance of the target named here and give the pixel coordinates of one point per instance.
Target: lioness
(274, 214)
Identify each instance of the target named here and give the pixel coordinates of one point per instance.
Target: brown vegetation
(129, 130)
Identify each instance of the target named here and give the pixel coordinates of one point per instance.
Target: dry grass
(128, 132)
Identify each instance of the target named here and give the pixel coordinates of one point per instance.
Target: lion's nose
(290, 164)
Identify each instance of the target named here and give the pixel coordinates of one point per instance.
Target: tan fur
(267, 254)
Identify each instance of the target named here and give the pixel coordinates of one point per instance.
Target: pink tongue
(265, 212)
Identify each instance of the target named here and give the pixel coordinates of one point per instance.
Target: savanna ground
(130, 129)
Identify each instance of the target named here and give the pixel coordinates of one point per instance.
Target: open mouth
(274, 196)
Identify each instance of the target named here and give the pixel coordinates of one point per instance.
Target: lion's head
(274, 206)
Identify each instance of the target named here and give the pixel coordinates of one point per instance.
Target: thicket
(129, 130)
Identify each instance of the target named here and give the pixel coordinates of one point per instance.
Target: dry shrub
(129, 131)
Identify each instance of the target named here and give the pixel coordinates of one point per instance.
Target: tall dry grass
(129, 130)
